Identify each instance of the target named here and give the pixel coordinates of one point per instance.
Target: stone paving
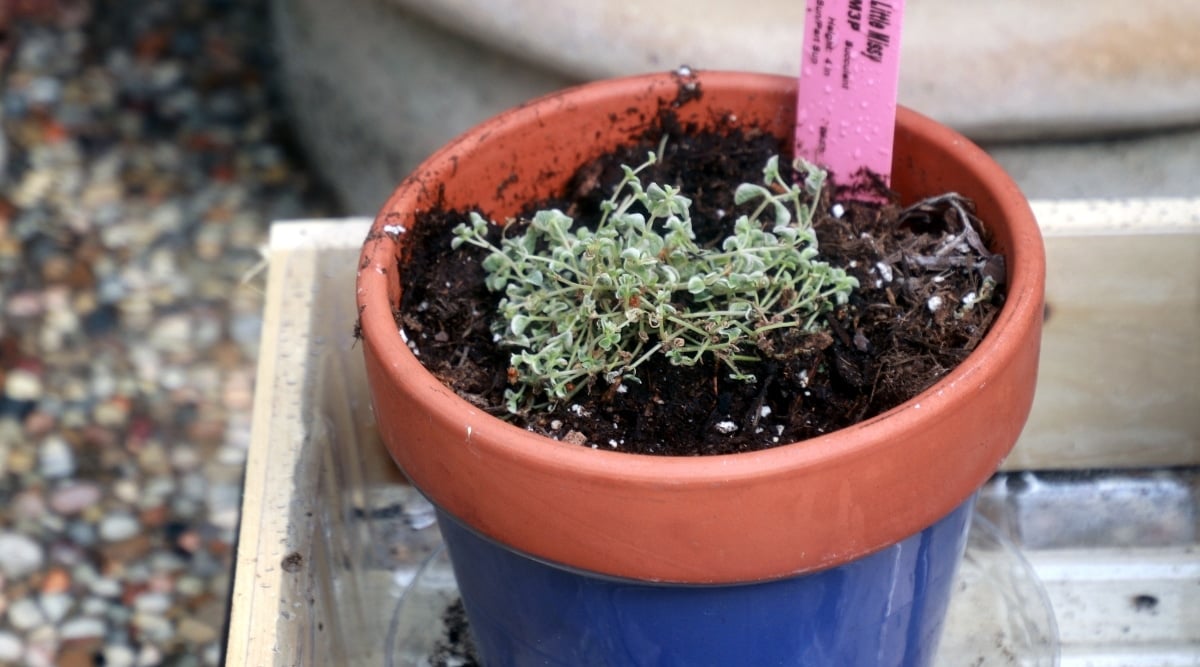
(141, 162)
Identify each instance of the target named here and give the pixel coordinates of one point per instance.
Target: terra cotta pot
(835, 550)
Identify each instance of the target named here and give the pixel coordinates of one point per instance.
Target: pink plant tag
(846, 104)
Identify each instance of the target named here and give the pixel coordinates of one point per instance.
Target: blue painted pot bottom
(885, 609)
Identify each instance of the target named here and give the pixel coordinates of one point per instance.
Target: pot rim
(861, 449)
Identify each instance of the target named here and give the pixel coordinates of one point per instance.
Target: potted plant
(838, 549)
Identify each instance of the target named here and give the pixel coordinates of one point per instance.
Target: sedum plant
(584, 304)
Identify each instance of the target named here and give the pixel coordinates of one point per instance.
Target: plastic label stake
(846, 103)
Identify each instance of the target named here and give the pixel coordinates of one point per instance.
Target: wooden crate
(324, 552)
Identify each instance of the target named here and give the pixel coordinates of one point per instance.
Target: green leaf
(495, 283)
(552, 221)
(518, 324)
(782, 214)
(747, 192)
(741, 308)
(680, 228)
(771, 170)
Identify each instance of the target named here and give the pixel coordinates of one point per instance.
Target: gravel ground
(142, 159)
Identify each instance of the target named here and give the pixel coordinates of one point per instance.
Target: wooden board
(1119, 381)
(303, 592)
(1118, 388)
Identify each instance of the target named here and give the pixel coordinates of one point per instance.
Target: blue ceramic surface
(882, 610)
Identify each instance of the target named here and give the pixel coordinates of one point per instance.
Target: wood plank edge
(245, 641)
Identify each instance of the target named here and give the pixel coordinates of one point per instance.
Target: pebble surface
(142, 158)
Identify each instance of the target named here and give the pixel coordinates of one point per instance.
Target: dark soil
(910, 322)
(454, 647)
